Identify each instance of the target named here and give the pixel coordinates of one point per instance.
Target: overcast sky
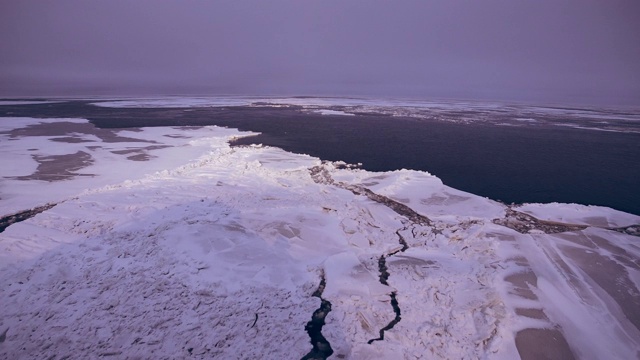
(576, 51)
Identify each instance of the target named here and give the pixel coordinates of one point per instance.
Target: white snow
(580, 214)
(332, 112)
(109, 166)
(215, 252)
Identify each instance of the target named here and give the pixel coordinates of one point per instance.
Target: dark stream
(321, 347)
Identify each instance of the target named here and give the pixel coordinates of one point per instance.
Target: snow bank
(580, 214)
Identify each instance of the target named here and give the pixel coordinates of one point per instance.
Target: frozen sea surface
(169, 243)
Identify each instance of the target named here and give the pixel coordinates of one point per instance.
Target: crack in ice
(384, 276)
(399, 208)
(401, 240)
(321, 347)
(9, 220)
(321, 175)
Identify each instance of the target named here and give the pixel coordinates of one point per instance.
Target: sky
(561, 51)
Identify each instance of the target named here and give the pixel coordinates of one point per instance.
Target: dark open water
(507, 163)
(510, 164)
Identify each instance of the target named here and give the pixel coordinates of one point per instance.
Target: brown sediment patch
(400, 200)
(532, 313)
(71, 140)
(140, 154)
(320, 175)
(378, 177)
(633, 230)
(139, 150)
(525, 223)
(521, 282)
(520, 261)
(410, 261)
(140, 157)
(536, 344)
(447, 199)
(399, 208)
(189, 127)
(67, 128)
(612, 277)
(593, 241)
(369, 184)
(578, 238)
(59, 167)
(599, 221)
(566, 271)
(619, 253)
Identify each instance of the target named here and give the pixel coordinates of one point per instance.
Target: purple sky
(576, 51)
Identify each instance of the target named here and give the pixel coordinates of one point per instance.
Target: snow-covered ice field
(167, 243)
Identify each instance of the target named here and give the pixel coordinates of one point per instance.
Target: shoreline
(505, 163)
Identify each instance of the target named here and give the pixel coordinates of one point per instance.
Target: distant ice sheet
(456, 111)
(332, 112)
(25, 102)
(175, 102)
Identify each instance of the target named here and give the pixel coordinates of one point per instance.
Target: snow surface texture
(109, 156)
(209, 251)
